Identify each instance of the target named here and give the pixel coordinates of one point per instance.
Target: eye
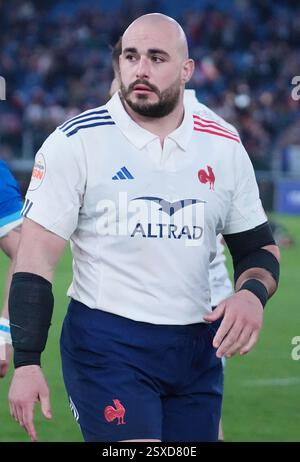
(130, 57)
(158, 59)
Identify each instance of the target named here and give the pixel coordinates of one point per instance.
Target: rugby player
(141, 186)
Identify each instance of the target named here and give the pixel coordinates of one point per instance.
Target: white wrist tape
(5, 336)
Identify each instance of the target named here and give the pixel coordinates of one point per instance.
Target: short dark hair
(115, 53)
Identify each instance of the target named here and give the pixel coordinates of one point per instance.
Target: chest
(155, 184)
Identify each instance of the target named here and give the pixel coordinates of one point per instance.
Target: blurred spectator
(55, 57)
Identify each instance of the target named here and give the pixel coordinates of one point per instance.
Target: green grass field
(261, 389)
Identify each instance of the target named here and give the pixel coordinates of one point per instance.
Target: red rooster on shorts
(207, 177)
(111, 413)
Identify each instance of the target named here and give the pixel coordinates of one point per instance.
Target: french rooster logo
(118, 412)
(209, 177)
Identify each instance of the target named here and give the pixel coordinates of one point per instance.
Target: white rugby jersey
(219, 281)
(143, 219)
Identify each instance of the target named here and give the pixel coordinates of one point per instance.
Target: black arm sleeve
(246, 251)
(242, 244)
(30, 312)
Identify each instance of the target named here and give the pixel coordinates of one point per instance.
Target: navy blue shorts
(133, 380)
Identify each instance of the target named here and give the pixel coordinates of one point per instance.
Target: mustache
(143, 82)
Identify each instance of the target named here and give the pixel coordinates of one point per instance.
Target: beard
(167, 99)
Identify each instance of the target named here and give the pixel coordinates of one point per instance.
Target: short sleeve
(10, 201)
(246, 210)
(56, 189)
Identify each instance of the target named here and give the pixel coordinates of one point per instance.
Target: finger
(14, 412)
(252, 341)
(223, 330)
(229, 340)
(240, 342)
(45, 405)
(216, 314)
(28, 423)
(19, 413)
(11, 409)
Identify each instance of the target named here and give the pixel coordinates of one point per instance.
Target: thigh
(193, 414)
(112, 404)
(110, 398)
(191, 418)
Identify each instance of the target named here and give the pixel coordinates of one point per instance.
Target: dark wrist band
(257, 288)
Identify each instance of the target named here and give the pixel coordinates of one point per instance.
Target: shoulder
(208, 115)
(65, 146)
(92, 118)
(208, 121)
(62, 139)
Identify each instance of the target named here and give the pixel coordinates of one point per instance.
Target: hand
(5, 357)
(240, 327)
(28, 386)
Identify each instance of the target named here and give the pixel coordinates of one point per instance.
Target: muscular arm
(243, 312)
(38, 254)
(39, 250)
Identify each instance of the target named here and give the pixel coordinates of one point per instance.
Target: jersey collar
(140, 137)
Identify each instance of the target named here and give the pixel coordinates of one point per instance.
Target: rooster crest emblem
(209, 177)
(118, 412)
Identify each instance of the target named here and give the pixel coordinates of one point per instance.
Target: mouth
(142, 89)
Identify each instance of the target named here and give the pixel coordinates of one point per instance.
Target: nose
(143, 69)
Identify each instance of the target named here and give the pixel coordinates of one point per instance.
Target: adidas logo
(123, 174)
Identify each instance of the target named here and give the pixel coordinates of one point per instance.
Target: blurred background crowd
(56, 59)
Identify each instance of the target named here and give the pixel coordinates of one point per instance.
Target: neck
(159, 126)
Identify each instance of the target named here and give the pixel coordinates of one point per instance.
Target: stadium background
(55, 58)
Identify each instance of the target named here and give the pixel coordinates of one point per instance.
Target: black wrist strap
(257, 288)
